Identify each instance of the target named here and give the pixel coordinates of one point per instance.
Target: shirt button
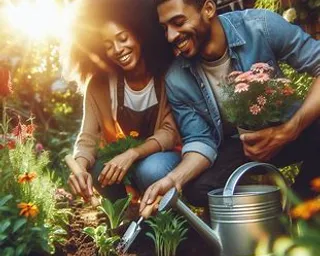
(201, 85)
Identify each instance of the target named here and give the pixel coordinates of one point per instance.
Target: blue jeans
(146, 172)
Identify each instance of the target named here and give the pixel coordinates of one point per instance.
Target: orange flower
(134, 134)
(315, 184)
(27, 177)
(120, 135)
(28, 209)
(307, 209)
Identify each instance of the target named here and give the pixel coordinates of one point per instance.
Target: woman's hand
(81, 183)
(117, 168)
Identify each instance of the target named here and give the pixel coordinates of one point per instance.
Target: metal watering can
(241, 216)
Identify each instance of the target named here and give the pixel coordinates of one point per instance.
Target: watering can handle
(237, 174)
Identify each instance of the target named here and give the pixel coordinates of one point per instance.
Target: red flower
(22, 131)
(11, 144)
(287, 90)
(5, 82)
(270, 91)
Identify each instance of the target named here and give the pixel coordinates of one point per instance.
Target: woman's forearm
(147, 148)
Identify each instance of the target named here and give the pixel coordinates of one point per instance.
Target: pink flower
(5, 82)
(261, 100)
(261, 67)
(241, 87)
(39, 147)
(255, 109)
(233, 75)
(244, 77)
(260, 77)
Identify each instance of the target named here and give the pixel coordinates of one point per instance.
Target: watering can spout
(171, 200)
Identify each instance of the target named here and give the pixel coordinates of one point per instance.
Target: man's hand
(264, 144)
(117, 168)
(156, 189)
(81, 183)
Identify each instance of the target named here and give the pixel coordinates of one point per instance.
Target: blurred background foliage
(32, 55)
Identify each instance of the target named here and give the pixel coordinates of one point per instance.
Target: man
(209, 47)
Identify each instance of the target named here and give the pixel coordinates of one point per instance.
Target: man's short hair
(197, 3)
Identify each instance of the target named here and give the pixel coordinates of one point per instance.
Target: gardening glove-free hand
(81, 183)
(158, 188)
(117, 168)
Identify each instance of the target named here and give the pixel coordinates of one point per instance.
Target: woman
(118, 50)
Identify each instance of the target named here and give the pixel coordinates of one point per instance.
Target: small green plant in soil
(115, 211)
(169, 230)
(104, 242)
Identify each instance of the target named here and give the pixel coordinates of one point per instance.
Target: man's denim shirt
(253, 36)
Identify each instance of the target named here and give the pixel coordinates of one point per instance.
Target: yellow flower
(134, 134)
(307, 209)
(27, 177)
(315, 184)
(28, 209)
(120, 135)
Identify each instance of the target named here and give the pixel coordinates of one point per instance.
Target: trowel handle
(75, 168)
(147, 211)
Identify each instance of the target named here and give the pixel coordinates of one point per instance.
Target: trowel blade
(128, 237)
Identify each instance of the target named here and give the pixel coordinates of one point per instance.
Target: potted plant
(254, 100)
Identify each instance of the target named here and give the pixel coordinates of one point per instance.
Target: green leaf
(119, 207)
(6, 209)
(3, 237)
(18, 224)
(5, 199)
(9, 251)
(89, 231)
(4, 225)
(60, 231)
(21, 249)
(107, 208)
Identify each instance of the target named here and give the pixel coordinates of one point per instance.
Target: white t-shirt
(215, 72)
(135, 100)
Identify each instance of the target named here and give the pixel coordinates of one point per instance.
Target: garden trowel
(134, 228)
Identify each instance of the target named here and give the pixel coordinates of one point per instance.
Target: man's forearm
(191, 166)
(309, 111)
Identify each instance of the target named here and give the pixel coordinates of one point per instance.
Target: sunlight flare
(38, 19)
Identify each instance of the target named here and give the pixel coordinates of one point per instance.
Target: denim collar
(233, 37)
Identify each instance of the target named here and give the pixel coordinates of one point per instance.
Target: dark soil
(80, 244)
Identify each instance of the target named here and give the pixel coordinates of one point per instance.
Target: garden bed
(80, 244)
